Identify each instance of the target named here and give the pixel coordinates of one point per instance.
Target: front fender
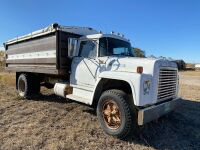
(133, 79)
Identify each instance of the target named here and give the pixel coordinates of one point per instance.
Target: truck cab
(125, 90)
(106, 62)
(97, 54)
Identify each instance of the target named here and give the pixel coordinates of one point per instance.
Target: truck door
(85, 67)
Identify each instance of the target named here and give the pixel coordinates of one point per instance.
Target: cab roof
(100, 35)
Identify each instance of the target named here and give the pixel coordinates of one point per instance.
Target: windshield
(110, 46)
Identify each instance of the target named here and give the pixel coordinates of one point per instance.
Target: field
(50, 122)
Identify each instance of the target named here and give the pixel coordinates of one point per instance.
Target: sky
(169, 28)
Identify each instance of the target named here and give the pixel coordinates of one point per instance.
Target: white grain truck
(96, 69)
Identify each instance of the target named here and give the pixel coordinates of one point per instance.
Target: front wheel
(115, 115)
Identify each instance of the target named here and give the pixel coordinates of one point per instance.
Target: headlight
(146, 87)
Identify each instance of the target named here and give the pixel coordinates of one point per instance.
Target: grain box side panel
(34, 55)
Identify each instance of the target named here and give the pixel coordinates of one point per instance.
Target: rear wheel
(27, 85)
(21, 87)
(115, 115)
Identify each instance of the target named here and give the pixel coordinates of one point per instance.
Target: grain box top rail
(51, 29)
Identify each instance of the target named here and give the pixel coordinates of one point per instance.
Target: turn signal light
(139, 69)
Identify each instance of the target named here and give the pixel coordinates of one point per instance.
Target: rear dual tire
(28, 85)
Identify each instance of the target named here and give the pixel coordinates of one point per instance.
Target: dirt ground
(50, 122)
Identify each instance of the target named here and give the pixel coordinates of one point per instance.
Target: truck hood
(130, 64)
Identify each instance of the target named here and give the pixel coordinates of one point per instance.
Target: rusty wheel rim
(111, 114)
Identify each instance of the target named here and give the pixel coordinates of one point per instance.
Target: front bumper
(153, 112)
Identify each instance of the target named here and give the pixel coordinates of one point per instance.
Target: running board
(77, 98)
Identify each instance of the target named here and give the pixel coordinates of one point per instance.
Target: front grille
(167, 84)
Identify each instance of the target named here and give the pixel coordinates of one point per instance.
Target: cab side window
(103, 46)
(88, 49)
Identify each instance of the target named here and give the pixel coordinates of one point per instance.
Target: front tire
(116, 116)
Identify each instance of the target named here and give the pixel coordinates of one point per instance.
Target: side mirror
(72, 47)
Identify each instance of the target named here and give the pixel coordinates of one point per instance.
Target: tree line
(139, 52)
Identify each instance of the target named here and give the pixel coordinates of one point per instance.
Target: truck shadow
(56, 99)
(49, 98)
(177, 130)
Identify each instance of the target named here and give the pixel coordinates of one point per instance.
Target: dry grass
(190, 92)
(8, 79)
(190, 73)
(50, 122)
